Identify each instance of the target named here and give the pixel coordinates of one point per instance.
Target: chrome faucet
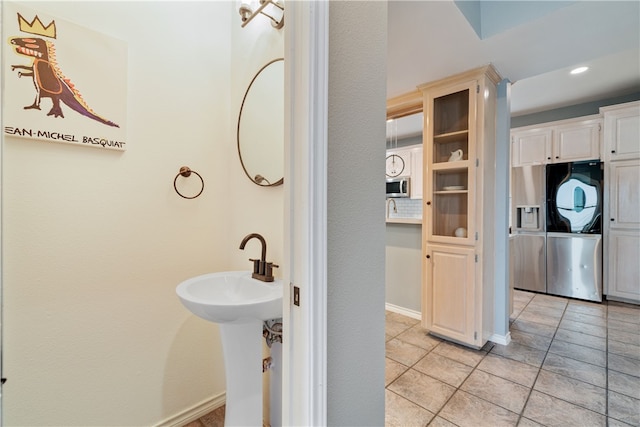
(395, 208)
(262, 270)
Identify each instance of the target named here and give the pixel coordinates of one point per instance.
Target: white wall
(96, 241)
(254, 208)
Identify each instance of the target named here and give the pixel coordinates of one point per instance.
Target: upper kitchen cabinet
(459, 211)
(624, 195)
(557, 142)
(621, 131)
(577, 140)
(531, 146)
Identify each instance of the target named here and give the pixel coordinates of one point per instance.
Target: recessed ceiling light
(579, 70)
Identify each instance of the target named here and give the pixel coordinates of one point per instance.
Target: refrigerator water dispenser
(528, 217)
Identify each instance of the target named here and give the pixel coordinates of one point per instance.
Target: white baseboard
(404, 311)
(501, 339)
(195, 412)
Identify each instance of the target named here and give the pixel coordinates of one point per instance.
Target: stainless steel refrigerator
(528, 245)
(557, 220)
(574, 194)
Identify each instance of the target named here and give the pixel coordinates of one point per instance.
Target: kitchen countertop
(404, 221)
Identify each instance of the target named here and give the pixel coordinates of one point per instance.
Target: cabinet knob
(557, 157)
(548, 158)
(428, 256)
(429, 202)
(613, 151)
(613, 219)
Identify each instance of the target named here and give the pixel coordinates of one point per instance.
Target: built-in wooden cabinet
(451, 275)
(622, 131)
(459, 210)
(575, 141)
(623, 269)
(447, 156)
(621, 214)
(557, 142)
(624, 195)
(531, 146)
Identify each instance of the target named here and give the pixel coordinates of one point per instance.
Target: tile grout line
(553, 338)
(436, 414)
(606, 367)
(540, 368)
(458, 388)
(521, 415)
(606, 388)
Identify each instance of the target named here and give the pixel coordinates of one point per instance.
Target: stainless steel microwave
(398, 187)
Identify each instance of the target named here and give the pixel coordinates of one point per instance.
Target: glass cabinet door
(448, 158)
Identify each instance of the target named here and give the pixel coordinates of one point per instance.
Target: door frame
(304, 395)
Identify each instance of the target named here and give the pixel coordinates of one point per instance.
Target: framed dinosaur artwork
(62, 82)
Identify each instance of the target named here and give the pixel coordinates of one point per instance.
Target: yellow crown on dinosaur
(36, 27)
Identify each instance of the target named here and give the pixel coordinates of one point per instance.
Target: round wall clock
(395, 165)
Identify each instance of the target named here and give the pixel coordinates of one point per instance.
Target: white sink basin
(231, 297)
(240, 304)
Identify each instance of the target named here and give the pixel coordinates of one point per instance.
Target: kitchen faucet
(262, 270)
(395, 208)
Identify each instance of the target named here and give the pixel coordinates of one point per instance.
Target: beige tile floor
(212, 419)
(570, 363)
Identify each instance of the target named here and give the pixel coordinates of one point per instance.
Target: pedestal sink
(239, 304)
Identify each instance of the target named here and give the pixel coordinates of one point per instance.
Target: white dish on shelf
(453, 187)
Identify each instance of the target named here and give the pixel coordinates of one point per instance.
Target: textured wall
(356, 225)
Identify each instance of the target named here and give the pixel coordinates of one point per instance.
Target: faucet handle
(268, 271)
(256, 265)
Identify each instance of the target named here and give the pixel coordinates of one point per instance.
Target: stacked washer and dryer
(557, 216)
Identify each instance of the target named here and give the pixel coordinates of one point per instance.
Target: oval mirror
(261, 126)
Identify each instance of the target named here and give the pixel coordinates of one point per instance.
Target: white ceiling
(429, 40)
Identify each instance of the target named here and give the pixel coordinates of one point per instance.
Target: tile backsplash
(407, 208)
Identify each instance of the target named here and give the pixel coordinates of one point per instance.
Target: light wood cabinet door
(578, 141)
(624, 195)
(623, 267)
(622, 132)
(449, 302)
(531, 147)
(450, 151)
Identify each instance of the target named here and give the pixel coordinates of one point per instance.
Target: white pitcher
(456, 155)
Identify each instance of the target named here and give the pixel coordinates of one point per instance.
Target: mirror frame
(244, 168)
